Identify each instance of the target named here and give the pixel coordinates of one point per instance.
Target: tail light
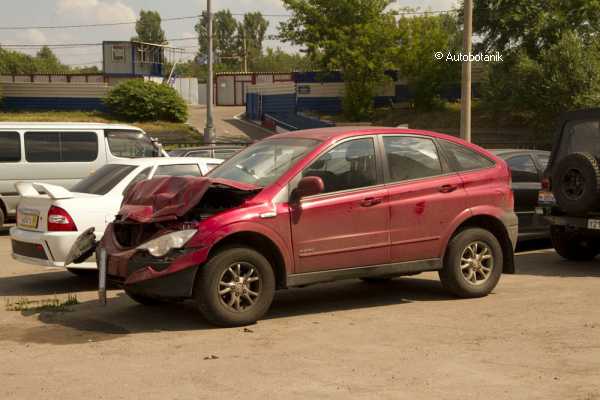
(60, 221)
(546, 184)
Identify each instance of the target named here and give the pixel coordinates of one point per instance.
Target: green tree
(225, 41)
(252, 30)
(46, 62)
(419, 38)
(277, 60)
(565, 76)
(356, 37)
(533, 25)
(148, 28)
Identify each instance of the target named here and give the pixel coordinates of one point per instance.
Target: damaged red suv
(316, 206)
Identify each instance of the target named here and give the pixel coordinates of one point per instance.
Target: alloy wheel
(477, 263)
(240, 286)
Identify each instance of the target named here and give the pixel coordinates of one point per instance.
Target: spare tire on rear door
(576, 183)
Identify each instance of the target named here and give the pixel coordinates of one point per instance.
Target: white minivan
(62, 154)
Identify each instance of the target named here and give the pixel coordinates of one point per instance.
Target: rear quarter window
(464, 159)
(10, 147)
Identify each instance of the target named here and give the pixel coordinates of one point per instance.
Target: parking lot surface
(536, 337)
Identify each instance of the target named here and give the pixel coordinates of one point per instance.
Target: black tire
(83, 273)
(573, 246)
(141, 299)
(453, 276)
(2, 217)
(576, 183)
(223, 267)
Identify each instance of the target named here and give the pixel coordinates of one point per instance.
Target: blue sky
(68, 12)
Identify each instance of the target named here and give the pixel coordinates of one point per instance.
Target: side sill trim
(410, 267)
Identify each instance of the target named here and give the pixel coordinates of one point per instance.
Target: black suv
(570, 195)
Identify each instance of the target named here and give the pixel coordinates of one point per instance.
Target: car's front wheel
(235, 287)
(473, 263)
(573, 246)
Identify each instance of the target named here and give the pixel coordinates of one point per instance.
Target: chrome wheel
(477, 263)
(240, 286)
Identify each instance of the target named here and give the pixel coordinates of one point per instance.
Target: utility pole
(209, 130)
(245, 53)
(465, 97)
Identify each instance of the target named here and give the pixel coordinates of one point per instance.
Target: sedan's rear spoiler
(37, 189)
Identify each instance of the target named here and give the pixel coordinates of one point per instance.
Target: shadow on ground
(91, 322)
(46, 283)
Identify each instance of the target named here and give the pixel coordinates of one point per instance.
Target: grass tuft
(54, 304)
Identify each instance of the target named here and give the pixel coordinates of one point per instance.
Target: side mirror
(308, 186)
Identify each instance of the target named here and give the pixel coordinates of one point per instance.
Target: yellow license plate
(28, 220)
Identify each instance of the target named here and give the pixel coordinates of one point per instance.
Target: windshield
(131, 144)
(263, 163)
(103, 180)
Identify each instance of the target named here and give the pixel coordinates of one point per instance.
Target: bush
(138, 100)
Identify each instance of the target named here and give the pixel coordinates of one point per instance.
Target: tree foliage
(226, 45)
(533, 25)
(252, 30)
(565, 76)
(139, 100)
(229, 36)
(420, 37)
(148, 28)
(17, 63)
(356, 37)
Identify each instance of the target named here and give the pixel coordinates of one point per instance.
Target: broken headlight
(160, 246)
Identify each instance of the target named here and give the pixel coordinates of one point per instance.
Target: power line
(8, 28)
(237, 14)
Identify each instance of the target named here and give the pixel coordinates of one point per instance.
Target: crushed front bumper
(169, 277)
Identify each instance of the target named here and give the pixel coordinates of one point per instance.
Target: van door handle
(447, 188)
(371, 201)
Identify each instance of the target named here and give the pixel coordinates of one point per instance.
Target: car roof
(66, 125)
(510, 152)
(341, 132)
(149, 161)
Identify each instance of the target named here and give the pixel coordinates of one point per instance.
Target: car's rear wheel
(235, 287)
(573, 245)
(2, 217)
(144, 300)
(473, 263)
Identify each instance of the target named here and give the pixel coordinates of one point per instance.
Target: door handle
(447, 188)
(371, 201)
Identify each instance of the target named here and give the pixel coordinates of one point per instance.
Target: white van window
(130, 144)
(10, 147)
(103, 180)
(61, 146)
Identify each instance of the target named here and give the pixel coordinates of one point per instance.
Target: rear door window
(411, 158)
(178, 170)
(464, 159)
(523, 169)
(10, 147)
(61, 146)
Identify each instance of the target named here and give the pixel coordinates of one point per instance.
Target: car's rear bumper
(44, 248)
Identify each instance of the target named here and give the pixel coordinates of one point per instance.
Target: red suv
(316, 206)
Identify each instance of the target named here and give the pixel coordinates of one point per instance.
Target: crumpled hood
(168, 198)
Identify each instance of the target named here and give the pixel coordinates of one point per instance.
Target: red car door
(424, 197)
(347, 225)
